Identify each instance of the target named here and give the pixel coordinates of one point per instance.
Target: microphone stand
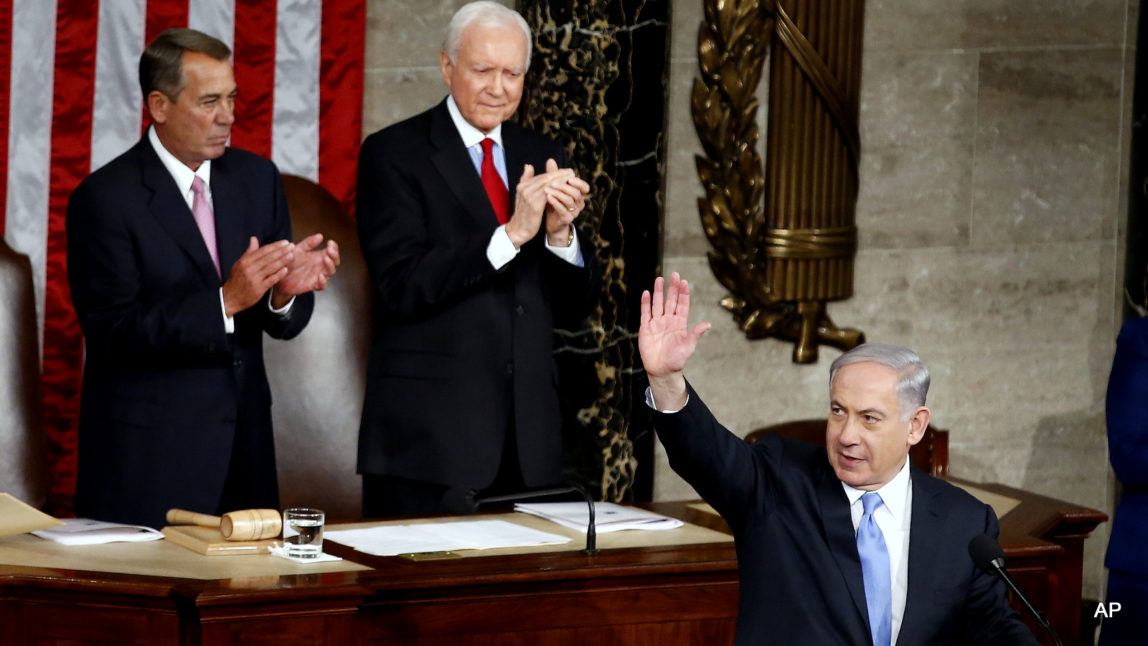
(591, 533)
(989, 558)
(999, 569)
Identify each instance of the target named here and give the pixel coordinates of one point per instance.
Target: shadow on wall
(317, 379)
(1068, 458)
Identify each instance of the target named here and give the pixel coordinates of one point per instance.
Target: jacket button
(519, 310)
(509, 369)
(238, 363)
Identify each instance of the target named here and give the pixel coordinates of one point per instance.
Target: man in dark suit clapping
(179, 259)
(466, 222)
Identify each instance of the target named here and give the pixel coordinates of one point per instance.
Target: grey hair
(912, 375)
(487, 14)
(161, 64)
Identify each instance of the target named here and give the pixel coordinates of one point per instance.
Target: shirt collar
(471, 136)
(179, 171)
(893, 493)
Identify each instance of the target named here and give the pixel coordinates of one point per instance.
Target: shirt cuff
(500, 250)
(650, 402)
(571, 253)
(282, 311)
(228, 321)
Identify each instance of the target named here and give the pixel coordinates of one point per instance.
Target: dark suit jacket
(462, 353)
(167, 393)
(800, 573)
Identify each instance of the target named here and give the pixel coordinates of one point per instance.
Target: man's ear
(157, 106)
(445, 66)
(918, 423)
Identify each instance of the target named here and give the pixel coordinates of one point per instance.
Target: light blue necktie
(875, 570)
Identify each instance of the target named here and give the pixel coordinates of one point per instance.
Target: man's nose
(848, 434)
(226, 113)
(495, 86)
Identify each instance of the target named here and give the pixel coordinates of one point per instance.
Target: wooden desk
(684, 594)
(672, 594)
(1043, 541)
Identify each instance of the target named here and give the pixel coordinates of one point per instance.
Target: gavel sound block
(241, 525)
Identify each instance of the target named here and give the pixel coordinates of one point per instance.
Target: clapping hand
(310, 267)
(565, 200)
(558, 194)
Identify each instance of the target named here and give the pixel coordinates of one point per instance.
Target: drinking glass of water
(303, 532)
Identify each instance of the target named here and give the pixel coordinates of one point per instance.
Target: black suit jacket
(800, 574)
(462, 353)
(167, 392)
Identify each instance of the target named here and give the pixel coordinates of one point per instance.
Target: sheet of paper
(608, 517)
(84, 531)
(17, 517)
(390, 540)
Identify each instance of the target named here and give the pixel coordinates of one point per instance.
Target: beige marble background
(994, 147)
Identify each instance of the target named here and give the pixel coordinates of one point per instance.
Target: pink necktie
(495, 189)
(205, 219)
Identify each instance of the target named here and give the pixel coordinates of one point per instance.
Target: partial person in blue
(1127, 562)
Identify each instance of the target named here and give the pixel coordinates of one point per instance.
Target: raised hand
(666, 342)
(309, 268)
(254, 273)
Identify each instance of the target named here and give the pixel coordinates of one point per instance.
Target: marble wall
(994, 146)
(994, 139)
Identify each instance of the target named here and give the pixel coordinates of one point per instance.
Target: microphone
(988, 556)
(591, 532)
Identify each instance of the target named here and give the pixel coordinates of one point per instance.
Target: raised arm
(666, 342)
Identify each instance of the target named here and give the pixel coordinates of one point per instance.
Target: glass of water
(303, 532)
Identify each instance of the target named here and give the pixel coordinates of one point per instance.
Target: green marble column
(598, 83)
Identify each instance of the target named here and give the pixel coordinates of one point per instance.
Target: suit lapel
(227, 194)
(837, 524)
(169, 208)
(923, 530)
(454, 164)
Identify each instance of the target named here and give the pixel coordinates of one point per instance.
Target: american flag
(70, 102)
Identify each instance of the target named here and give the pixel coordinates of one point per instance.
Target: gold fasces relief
(783, 236)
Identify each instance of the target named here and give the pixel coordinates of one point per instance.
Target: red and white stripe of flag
(70, 102)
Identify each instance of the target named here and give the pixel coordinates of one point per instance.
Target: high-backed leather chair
(23, 444)
(318, 378)
(930, 455)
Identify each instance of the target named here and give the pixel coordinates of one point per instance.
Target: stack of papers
(608, 517)
(83, 531)
(391, 540)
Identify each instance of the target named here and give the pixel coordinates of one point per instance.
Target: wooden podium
(159, 593)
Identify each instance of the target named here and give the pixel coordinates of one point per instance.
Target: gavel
(241, 525)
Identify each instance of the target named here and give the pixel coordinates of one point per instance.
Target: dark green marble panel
(598, 83)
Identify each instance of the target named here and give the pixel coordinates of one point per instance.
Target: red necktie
(495, 189)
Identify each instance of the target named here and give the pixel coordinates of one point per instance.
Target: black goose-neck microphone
(988, 556)
(591, 531)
